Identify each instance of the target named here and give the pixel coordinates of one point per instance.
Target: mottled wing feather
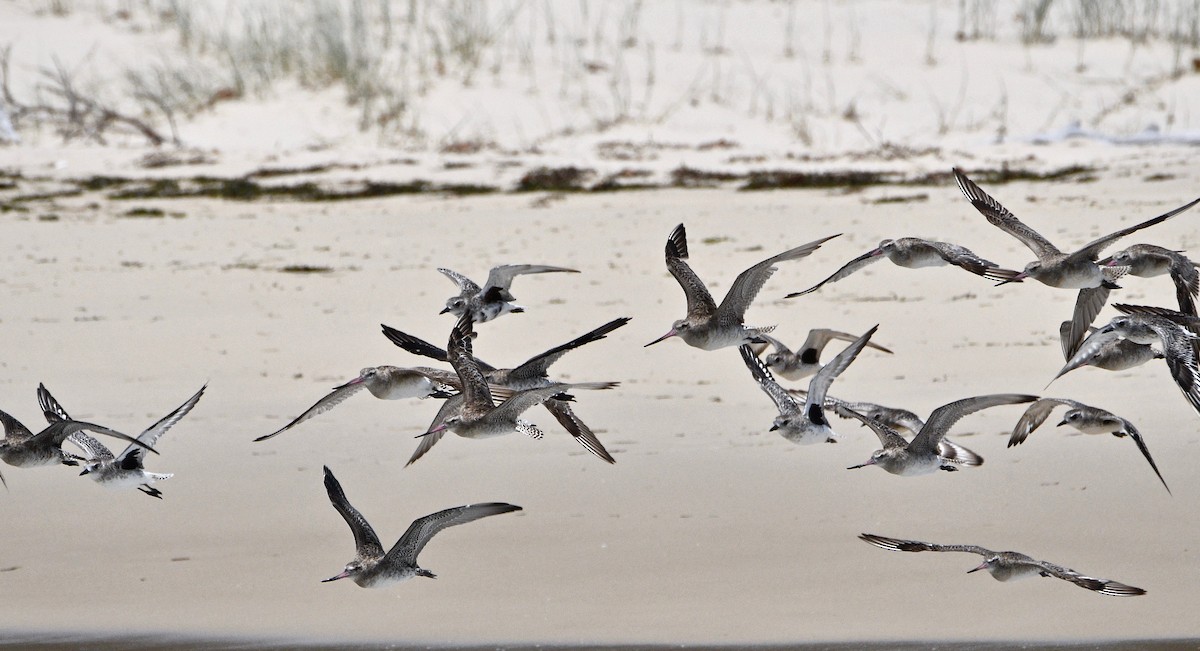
(845, 270)
(1035, 415)
(53, 411)
(784, 402)
(1103, 586)
(819, 385)
(14, 431)
(93, 450)
(1088, 304)
(944, 417)
(1141, 445)
(700, 303)
(563, 413)
(409, 546)
(155, 431)
(418, 346)
(365, 541)
(1187, 283)
(961, 256)
(466, 286)
(1000, 217)
(331, 400)
(537, 366)
(474, 385)
(501, 277)
(748, 283)
(901, 545)
(888, 437)
(1092, 249)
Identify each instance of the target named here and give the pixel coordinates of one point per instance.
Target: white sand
(708, 529)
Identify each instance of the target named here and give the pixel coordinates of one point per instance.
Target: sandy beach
(260, 254)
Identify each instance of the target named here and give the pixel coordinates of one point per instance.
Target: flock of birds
(481, 400)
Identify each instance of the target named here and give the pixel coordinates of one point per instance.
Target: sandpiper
(916, 253)
(902, 420)
(371, 567)
(493, 299)
(1148, 325)
(24, 449)
(126, 470)
(478, 416)
(1076, 270)
(923, 455)
(385, 383)
(1007, 566)
(804, 424)
(1148, 260)
(1112, 355)
(1086, 419)
(710, 326)
(807, 358)
(532, 374)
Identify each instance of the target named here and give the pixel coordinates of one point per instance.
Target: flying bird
(1008, 566)
(1086, 419)
(531, 374)
(371, 567)
(807, 423)
(916, 253)
(493, 299)
(1148, 260)
(125, 470)
(709, 326)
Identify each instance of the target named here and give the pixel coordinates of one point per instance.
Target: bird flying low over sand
(1086, 419)
(24, 449)
(371, 567)
(1079, 269)
(126, 470)
(1148, 260)
(1145, 325)
(531, 374)
(915, 253)
(385, 383)
(493, 299)
(807, 423)
(1008, 566)
(710, 326)
(924, 454)
(477, 415)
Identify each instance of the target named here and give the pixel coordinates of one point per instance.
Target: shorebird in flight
(126, 470)
(1086, 419)
(807, 423)
(532, 374)
(478, 416)
(710, 326)
(493, 299)
(924, 454)
(902, 421)
(1007, 566)
(1148, 260)
(371, 567)
(1145, 325)
(916, 253)
(24, 449)
(1076, 270)
(807, 358)
(385, 383)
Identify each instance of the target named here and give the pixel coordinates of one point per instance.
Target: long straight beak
(432, 431)
(335, 578)
(982, 566)
(1015, 279)
(357, 380)
(670, 334)
(870, 462)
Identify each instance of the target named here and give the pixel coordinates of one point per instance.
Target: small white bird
(126, 470)
(493, 299)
